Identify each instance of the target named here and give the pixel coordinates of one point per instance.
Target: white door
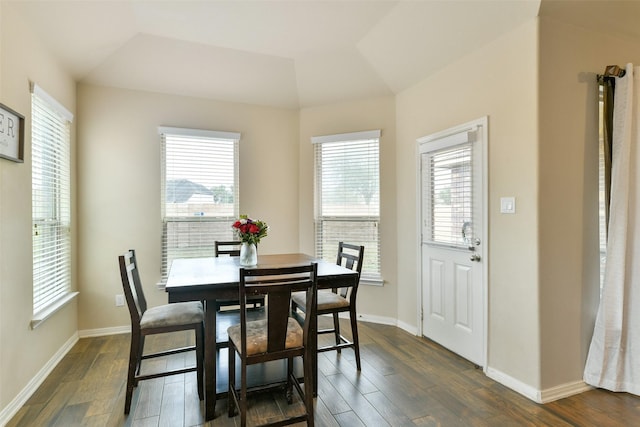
(453, 244)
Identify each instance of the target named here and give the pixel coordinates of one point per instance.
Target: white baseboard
(563, 390)
(413, 330)
(526, 390)
(14, 406)
(86, 333)
(382, 320)
(532, 393)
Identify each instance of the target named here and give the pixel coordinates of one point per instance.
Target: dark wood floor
(405, 381)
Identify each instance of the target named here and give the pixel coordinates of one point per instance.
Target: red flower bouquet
(250, 230)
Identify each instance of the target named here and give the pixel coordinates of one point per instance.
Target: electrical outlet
(119, 300)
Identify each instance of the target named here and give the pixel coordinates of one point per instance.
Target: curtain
(612, 361)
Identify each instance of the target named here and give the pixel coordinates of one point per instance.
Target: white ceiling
(288, 54)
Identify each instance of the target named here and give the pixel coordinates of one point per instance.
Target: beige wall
(24, 352)
(375, 303)
(570, 57)
(117, 131)
(119, 184)
(498, 81)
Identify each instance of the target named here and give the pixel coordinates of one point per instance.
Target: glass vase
(248, 254)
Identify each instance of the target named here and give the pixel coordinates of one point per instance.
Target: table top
(188, 274)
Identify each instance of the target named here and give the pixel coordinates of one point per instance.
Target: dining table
(211, 278)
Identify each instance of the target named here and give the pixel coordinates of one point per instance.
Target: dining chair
(277, 336)
(161, 319)
(232, 248)
(336, 301)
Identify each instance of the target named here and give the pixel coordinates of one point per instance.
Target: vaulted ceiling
(287, 54)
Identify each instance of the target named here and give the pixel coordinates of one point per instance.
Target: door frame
(481, 126)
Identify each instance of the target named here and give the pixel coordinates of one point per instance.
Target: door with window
(453, 244)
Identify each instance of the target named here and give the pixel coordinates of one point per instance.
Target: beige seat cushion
(327, 300)
(180, 313)
(257, 336)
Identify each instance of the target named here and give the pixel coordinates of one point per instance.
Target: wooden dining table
(212, 278)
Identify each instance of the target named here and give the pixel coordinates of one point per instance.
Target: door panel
(463, 302)
(437, 288)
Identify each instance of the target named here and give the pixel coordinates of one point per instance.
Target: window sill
(44, 314)
(370, 281)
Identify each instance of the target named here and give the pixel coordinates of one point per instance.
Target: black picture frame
(11, 134)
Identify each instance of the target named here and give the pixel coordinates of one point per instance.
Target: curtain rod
(612, 71)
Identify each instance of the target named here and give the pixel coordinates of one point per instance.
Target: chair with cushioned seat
(277, 336)
(157, 320)
(338, 300)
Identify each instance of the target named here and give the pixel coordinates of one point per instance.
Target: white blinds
(199, 191)
(51, 200)
(450, 195)
(348, 196)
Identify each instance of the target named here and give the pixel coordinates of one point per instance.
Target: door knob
(475, 257)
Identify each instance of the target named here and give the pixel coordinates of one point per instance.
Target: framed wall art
(11, 134)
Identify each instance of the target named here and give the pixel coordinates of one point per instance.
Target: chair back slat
(351, 257)
(277, 319)
(132, 286)
(277, 284)
(230, 247)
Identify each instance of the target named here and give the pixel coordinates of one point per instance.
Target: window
(51, 203)
(450, 195)
(199, 191)
(347, 199)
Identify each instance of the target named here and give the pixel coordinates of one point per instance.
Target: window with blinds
(199, 191)
(450, 195)
(347, 199)
(51, 200)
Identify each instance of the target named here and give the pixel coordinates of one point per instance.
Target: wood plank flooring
(405, 381)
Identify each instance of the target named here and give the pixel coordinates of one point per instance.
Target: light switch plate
(508, 205)
(119, 300)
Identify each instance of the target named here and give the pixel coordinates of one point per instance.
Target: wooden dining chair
(157, 320)
(232, 248)
(277, 336)
(336, 301)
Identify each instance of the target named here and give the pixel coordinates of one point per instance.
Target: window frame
(51, 214)
(372, 255)
(195, 136)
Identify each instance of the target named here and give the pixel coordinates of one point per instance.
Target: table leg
(210, 359)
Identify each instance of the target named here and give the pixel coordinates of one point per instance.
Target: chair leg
(336, 329)
(289, 389)
(134, 361)
(308, 389)
(200, 360)
(243, 394)
(231, 405)
(354, 334)
(140, 352)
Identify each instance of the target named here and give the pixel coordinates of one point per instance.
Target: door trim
(480, 125)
